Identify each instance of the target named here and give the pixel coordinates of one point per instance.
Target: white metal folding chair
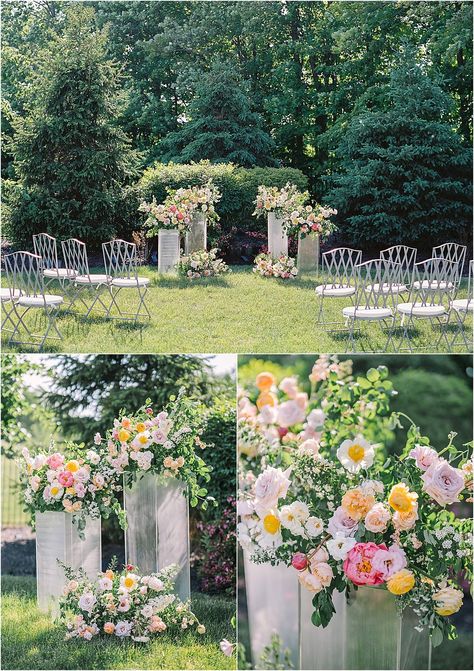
(75, 256)
(338, 266)
(24, 274)
(434, 280)
(121, 263)
(460, 309)
(450, 251)
(405, 258)
(374, 300)
(7, 299)
(46, 246)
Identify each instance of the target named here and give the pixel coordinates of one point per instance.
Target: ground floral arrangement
(319, 493)
(124, 605)
(201, 264)
(283, 267)
(85, 482)
(179, 207)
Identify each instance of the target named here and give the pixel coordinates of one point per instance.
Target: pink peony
(424, 456)
(66, 479)
(55, 461)
(443, 482)
(390, 561)
(358, 566)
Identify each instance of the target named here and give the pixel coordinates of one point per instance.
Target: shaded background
(436, 392)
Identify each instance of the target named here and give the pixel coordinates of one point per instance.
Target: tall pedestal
(57, 538)
(196, 238)
(168, 250)
(277, 238)
(308, 253)
(158, 527)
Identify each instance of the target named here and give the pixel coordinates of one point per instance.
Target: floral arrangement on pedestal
(318, 493)
(280, 201)
(311, 220)
(164, 443)
(201, 264)
(124, 605)
(283, 267)
(177, 210)
(76, 481)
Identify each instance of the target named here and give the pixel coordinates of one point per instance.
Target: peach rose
(377, 518)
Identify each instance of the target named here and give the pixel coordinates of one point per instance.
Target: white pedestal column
(158, 527)
(308, 253)
(57, 538)
(196, 238)
(168, 250)
(277, 238)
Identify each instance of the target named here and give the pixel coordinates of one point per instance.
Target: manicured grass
(31, 641)
(239, 312)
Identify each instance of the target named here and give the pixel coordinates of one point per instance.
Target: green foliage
(222, 126)
(219, 434)
(405, 173)
(238, 187)
(71, 159)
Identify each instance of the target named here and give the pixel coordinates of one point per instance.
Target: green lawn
(31, 641)
(239, 312)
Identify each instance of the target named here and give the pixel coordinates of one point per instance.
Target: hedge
(237, 185)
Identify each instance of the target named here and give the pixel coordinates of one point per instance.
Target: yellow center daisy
(356, 452)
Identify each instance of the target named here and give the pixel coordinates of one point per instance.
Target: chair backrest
(75, 256)
(434, 281)
(120, 259)
(46, 247)
(452, 252)
(339, 264)
(470, 282)
(376, 283)
(24, 274)
(404, 256)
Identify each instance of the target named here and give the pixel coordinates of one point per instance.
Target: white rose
(155, 583)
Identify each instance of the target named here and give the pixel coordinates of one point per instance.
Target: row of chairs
(28, 277)
(397, 286)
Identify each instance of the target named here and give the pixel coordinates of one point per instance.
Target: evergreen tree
(222, 126)
(405, 174)
(70, 157)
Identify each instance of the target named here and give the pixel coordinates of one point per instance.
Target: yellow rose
(448, 600)
(72, 466)
(123, 435)
(267, 398)
(140, 427)
(265, 381)
(401, 498)
(401, 582)
(356, 503)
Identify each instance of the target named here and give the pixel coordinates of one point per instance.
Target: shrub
(216, 558)
(237, 185)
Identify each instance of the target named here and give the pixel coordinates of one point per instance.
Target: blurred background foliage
(435, 391)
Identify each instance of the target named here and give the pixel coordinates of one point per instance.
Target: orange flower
(265, 381)
(266, 398)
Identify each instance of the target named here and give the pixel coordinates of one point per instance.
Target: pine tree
(222, 126)
(405, 174)
(70, 157)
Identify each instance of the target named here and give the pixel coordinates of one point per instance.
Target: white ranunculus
(339, 546)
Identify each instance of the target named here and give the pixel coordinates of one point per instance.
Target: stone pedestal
(277, 238)
(168, 250)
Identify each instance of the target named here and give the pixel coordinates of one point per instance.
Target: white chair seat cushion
(6, 294)
(130, 282)
(387, 288)
(92, 279)
(418, 310)
(367, 313)
(463, 305)
(39, 301)
(58, 272)
(434, 285)
(335, 290)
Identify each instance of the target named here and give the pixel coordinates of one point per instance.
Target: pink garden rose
(377, 518)
(270, 486)
(290, 413)
(389, 561)
(289, 386)
(66, 479)
(358, 566)
(424, 456)
(341, 523)
(55, 461)
(443, 482)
